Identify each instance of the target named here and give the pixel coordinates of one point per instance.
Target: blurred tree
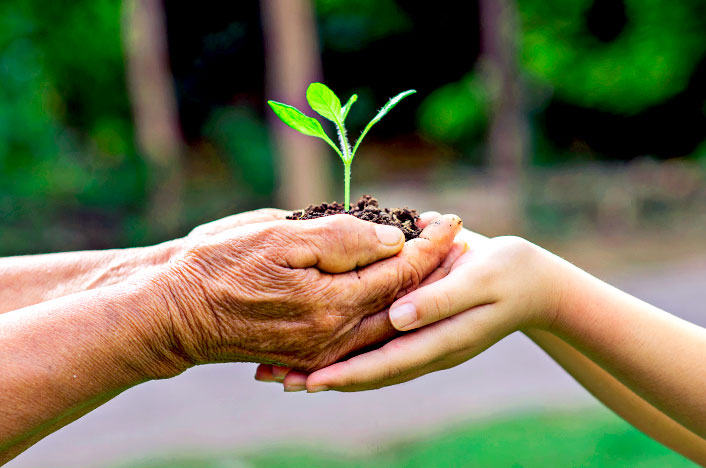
(618, 55)
(606, 79)
(155, 111)
(507, 134)
(293, 61)
(66, 151)
(507, 141)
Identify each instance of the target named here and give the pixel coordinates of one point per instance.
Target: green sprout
(327, 104)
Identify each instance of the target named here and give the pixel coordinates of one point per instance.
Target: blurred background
(579, 124)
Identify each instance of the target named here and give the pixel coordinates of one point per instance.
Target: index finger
(435, 347)
(382, 282)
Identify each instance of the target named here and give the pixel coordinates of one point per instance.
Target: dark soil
(367, 209)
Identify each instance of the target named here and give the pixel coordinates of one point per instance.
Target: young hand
(498, 286)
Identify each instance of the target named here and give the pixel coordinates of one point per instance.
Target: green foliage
(352, 100)
(324, 102)
(382, 113)
(328, 105)
(240, 137)
(590, 439)
(649, 61)
(66, 137)
(456, 112)
(300, 122)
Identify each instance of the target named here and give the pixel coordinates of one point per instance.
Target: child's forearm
(657, 355)
(621, 399)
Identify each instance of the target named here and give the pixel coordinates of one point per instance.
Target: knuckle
(441, 306)
(273, 213)
(339, 222)
(270, 232)
(409, 277)
(515, 247)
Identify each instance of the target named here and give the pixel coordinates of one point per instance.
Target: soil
(366, 208)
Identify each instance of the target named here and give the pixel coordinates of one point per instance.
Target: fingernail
(389, 235)
(294, 388)
(318, 388)
(403, 315)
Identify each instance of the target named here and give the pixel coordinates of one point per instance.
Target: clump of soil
(366, 209)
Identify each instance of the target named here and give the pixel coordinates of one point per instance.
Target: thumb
(340, 243)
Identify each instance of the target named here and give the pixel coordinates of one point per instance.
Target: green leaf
(324, 101)
(300, 122)
(381, 113)
(347, 107)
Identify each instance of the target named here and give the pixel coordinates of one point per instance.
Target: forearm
(657, 355)
(62, 358)
(621, 399)
(29, 280)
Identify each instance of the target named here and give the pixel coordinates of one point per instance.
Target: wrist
(547, 275)
(188, 318)
(154, 353)
(567, 279)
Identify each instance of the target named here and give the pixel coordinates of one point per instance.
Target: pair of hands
(302, 294)
(483, 291)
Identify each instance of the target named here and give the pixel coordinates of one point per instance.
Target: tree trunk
(292, 62)
(155, 110)
(507, 138)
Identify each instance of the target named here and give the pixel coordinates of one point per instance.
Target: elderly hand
(476, 298)
(293, 292)
(230, 222)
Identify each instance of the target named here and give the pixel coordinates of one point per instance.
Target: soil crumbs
(366, 208)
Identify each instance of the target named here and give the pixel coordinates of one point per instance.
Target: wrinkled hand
(481, 293)
(296, 380)
(297, 293)
(241, 219)
(177, 248)
(499, 286)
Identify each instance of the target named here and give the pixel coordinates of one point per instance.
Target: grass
(566, 439)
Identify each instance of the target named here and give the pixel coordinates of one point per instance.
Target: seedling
(327, 104)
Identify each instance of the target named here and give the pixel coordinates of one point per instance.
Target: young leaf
(345, 109)
(385, 109)
(300, 122)
(324, 101)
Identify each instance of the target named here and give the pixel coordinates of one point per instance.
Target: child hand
(500, 286)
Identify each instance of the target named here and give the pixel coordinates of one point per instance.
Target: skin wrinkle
(353, 245)
(409, 284)
(219, 321)
(182, 319)
(82, 349)
(360, 336)
(173, 342)
(441, 309)
(243, 289)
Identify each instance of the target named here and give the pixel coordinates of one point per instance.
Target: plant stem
(347, 184)
(347, 159)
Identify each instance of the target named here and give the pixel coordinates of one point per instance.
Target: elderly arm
(299, 293)
(62, 358)
(31, 279)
